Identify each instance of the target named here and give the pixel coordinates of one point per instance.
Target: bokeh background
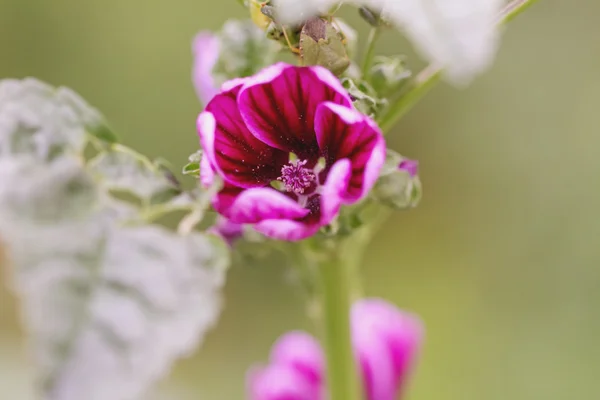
(501, 259)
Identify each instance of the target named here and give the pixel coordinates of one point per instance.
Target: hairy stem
(338, 264)
(195, 217)
(430, 76)
(336, 273)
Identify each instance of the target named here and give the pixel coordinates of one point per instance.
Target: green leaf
(108, 307)
(108, 310)
(122, 169)
(38, 119)
(93, 121)
(193, 166)
(191, 169)
(48, 193)
(34, 121)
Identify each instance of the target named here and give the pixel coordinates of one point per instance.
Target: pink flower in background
(249, 130)
(386, 342)
(295, 372)
(205, 50)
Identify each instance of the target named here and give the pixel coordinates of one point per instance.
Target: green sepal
(193, 166)
(364, 97)
(389, 74)
(395, 187)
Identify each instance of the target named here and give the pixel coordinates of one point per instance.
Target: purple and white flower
(290, 149)
(386, 342)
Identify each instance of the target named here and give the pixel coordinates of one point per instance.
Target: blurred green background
(501, 259)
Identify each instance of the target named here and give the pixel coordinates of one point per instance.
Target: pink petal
(410, 166)
(223, 201)
(334, 190)
(376, 365)
(232, 83)
(279, 382)
(227, 230)
(280, 102)
(387, 340)
(239, 157)
(302, 352)
(205, 50)
(282, 229)
(343, 132)
(206, 126)
(207, 173)
(259, 204)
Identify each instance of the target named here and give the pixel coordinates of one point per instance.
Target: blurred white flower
(459, 35)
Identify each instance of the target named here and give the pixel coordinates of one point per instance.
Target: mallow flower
(386, 342)
(290, 149)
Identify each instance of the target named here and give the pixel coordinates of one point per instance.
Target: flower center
(295, 177)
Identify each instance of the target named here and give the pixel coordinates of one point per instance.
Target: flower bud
(302, 352)
(279, 382)
(296, 370)
(399, 185)
(371, 16)
(388, 74)
(386, 341)
(410, 166)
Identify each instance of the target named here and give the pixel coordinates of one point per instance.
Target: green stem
(430, 76)
(421, 85)
(370, 52)
(191, 220)
(336, 277)
(513, 9)
(337, 263)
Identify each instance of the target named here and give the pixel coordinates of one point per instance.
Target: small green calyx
(398, 186)
(364, 98)
(193, 166)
